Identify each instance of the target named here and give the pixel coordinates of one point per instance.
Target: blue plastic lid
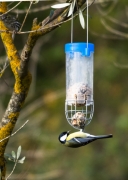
(80, 47)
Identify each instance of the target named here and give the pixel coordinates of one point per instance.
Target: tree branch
(47, 25)
(21, 87)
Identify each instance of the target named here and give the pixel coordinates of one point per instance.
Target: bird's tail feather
(104, 136)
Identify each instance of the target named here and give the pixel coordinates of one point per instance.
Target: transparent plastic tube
(79, 73)
(79, 105)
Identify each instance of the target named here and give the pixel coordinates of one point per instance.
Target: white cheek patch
(63, 138)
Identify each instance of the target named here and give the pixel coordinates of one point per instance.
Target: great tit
(78, 139)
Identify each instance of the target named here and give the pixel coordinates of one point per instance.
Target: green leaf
(18, 152)
(81, 18)
(62, 5)
(21, 161)
(71, 9)
(13, 154)
(9, 157)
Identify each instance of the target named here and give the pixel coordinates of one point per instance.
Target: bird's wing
(86, 140)
(74, 142)
(77, 142)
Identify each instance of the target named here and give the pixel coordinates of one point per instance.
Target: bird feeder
(79, 105)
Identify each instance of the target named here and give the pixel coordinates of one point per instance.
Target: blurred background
(46, 158)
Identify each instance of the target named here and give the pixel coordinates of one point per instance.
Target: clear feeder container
(79, 105)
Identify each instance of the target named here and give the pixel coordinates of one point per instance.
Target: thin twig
(33, 10)
(10, 3)
(125, 25)
(6, 64)
(12, 169)
(26, 15)
(104, 13)
(105, 36)
(11, 8)
(122, 66)
(15, 131)
(114, 31)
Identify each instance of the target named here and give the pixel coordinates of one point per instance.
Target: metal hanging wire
(72, 22)
(72, 25)
(87, 22)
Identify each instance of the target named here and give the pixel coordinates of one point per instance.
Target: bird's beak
(68, 132)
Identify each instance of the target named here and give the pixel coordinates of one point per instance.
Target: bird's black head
(63, 136)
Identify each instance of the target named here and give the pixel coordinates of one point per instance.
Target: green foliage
(15, 156)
